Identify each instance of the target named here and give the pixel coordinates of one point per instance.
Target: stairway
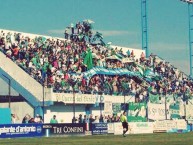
(23, 83)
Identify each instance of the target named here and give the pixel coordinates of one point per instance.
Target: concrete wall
(29, 87)
(20, 109)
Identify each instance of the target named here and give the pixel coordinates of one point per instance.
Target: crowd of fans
(26, 119)
(53, 62)
(98, 119)
(81, 119)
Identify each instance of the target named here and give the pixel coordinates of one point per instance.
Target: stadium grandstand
(81, 78)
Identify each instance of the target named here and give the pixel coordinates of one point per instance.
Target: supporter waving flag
(141, 69)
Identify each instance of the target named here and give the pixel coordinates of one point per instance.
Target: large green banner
(137, 112)
(154, 98)
(175, 111)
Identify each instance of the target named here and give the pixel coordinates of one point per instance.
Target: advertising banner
(181, 124)
(140, 127)
(160, 126)
(20, 130)
(137, 112)
(65, 128)
(170, 126)
(99, 128)
(110, 127)
(118, 128)
(156, 111)
(79, 98)
(134, 128)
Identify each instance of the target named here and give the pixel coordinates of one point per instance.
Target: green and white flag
(154, 98)
(141, 69)
(88, 59)
(137, 112)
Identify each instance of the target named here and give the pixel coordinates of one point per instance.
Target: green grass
(145, 139)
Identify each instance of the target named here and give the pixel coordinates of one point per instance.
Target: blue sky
(118, 20)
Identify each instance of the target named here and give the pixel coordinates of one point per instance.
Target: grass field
(145, 139)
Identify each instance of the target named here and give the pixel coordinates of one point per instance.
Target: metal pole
(43, 101)
(73, 105)
(185, 110)
(124, 101)
(9, 93)
(166, 106)
(190, 37)
(100, 106)
(142, 23)
(144, 27)
(146, 34)
(190, 16)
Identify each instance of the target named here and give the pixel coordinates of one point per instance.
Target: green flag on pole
(154, 98)
(88, 59)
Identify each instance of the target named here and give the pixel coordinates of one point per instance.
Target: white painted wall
(63, 112)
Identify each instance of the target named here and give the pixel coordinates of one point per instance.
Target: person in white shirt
(14, 118)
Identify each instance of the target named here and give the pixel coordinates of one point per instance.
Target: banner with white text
(156, 111)
(20, 130)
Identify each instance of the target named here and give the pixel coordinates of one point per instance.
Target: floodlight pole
(100, 105)
(124, 91)
(144, 27)
(74, 118)
(43, 93)
(190, 26)
(72, 83)
(190, 17)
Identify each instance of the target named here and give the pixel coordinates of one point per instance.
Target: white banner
(168, 125)
(110, 127)
(160, 125)
(89, 98)
(108, 108)
(118, 128)
(189, 112)
(79, 98)
(156, 111)
(140, 127)
(181, 124)
(134, 128)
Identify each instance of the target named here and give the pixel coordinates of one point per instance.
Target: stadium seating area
(54, 62)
